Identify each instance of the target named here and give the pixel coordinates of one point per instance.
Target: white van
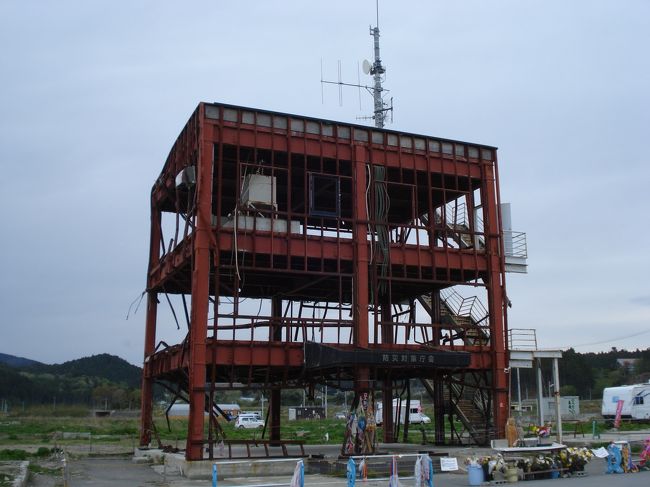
(249, 421)
(416, 416)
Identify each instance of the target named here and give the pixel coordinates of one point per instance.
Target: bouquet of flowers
(575, 459)
(542, 431)
(472, 461)
(477, 461)
(542, 462)
(487, 463)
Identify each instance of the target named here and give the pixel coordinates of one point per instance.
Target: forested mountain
(107, 381)
(13, 361)
(105, 366)
(101, 380)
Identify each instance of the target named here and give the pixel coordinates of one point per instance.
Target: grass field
(97, 434)
(59, 430)
(36, 429)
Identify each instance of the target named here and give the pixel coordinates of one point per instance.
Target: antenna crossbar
(377, 70)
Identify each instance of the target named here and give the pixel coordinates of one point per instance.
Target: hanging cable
(178, 327)
(187, 315)
(139, 300)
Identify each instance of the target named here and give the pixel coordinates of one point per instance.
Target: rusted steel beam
(263, 354)
(276, 396)
(312, 247)
(200, 300)
(360, 251)
(496, 299)
(340, 148)
(173, 262)
(146, 403)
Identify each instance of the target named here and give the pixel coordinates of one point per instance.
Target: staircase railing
(522, 339)
(456, 218)
(455, 214)
(471, 307)
(478, 435)
(518, 246)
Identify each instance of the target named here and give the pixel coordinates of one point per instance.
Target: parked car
(249, 421)
(340, 415)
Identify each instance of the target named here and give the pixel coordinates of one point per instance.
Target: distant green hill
(13, 384)
(103, 378)
(104, 366)
(13, 361)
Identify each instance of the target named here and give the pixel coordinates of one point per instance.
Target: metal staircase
(466, 396)
(466, 314)
(468, 407)
(464, 319)
(455, 218)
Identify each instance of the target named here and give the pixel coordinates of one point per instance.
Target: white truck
(416, 416)
(636, 401)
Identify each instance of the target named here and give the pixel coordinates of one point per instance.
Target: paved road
(101, 472)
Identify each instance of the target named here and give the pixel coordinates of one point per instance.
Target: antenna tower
(377, 70)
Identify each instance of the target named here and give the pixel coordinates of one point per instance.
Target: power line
(609, 340)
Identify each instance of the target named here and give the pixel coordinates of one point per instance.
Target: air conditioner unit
(258, 190)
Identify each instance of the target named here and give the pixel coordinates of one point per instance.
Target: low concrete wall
(21, 477)
(202, 469)
(267, 467)
(152, 455)
(231, 468)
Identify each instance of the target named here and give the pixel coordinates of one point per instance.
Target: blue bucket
(475, 474)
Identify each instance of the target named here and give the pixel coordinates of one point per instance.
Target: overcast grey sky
(93, 94)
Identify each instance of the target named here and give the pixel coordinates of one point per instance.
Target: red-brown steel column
(438, 383)
(360, 295)
(146, 401)
(387, 390)
(276, 394)
(495, 290)
(361, 335)
(200, 294)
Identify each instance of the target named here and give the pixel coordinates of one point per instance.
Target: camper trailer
(416, 416)
(636, 401)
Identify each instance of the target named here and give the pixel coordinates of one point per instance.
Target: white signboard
(448, 464)
(600, 453)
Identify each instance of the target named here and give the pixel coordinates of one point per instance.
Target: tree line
(101, 381)
(587, 374)
(109, 382)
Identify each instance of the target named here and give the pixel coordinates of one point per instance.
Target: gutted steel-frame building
(309, 251)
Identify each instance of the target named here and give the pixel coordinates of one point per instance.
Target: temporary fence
(417, 469)
(420, 470)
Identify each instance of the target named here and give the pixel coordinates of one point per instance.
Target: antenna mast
(376, 69)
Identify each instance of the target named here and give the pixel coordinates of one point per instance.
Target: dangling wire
(139, 300)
